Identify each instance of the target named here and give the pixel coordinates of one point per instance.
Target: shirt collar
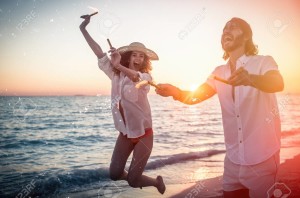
(243, 60)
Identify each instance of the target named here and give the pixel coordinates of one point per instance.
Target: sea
(59, 145)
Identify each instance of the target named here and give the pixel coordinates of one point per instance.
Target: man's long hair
(250, 48)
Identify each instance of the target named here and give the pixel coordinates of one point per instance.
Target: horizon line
(80, 95)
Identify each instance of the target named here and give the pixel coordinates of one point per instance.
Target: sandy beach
(288, 183)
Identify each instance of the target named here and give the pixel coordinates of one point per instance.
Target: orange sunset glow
(43, 52)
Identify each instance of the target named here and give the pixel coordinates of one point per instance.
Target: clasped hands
(239, 77)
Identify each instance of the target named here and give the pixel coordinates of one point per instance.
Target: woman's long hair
(125, 58)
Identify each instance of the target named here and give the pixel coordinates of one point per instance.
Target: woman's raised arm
(94, 46)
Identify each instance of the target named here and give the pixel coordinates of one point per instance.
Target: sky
(43, 52)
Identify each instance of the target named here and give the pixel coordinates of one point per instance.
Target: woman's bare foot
(161, 187)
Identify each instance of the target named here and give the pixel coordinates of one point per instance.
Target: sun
(193, 87)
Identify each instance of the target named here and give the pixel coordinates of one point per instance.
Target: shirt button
(240, 141)
(239, 128)
(238, 116)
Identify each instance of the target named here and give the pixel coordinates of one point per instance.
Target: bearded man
(246, 87)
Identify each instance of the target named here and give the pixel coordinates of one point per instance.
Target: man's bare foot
(161, 187)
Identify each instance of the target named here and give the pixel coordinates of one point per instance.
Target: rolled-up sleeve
(211, 81)
(268, 64)
(147, 77)
(105, 66)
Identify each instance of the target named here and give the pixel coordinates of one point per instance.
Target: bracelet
(178, 96)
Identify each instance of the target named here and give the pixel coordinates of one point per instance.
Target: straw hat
(136, 46)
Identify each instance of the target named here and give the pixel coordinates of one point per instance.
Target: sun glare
(193, 87)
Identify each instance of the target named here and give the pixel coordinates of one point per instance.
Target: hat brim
(151, 54)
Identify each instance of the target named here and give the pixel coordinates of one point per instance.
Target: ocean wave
(53, 183)
(181, 157)
(65, 133)
(293, 132)
(45, 184)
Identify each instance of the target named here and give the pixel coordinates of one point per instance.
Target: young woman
(130, 109)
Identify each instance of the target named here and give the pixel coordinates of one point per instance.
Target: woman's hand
(115, 57)
(85, 22)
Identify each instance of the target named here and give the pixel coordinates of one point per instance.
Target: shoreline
(202, 177)
(288, 183)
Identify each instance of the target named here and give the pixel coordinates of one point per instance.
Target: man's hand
(166, 90)
(240, 77)
(85, 22)
(115, 57)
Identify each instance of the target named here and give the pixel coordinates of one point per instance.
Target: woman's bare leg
(121, 152)
(141, 154)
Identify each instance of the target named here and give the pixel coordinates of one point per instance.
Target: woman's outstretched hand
(115, 57)
(85, 22)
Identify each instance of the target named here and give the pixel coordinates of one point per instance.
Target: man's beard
(237, 42)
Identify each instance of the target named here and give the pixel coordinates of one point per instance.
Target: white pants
(258, 178)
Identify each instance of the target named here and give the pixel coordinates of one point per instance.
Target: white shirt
(136, 108)
(251, 121)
